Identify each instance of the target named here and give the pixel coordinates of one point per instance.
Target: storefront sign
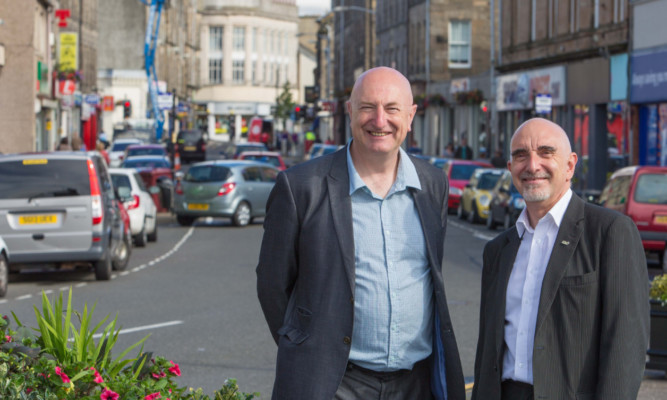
(543, 103)
(68, 51)
(165, 101)
(92, 99)
(107, 103)
(66, 87)
(459, 85)
(649, 76)
(516, 91)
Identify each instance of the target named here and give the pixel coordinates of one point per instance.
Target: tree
(284, 104)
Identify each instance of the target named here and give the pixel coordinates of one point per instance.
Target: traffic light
(299, 111)
(127, 109)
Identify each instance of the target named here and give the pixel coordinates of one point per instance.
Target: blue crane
(155, 10)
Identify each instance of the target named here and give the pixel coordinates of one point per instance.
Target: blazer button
(347, 340)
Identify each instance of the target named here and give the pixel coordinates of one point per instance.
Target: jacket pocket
(296, 329)
(293, 334)
(580, 280)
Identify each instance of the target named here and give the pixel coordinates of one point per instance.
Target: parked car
(232, 189)
(233, 150)
(146, 150)
(458, 173)
(270, 157)
(138, 202)
(325, 149)
(4, 268)
(476, 196)
(313, 150)
(641, 194)
(58, 208)
(506, 203)
(158, 178)
(117, 150)
(191, 145)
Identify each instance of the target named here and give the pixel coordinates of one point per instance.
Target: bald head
(383, 77)
(540, 127)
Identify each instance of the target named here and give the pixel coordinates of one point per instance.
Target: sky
(313, 7)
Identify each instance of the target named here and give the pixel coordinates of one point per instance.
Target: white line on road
(144, 328)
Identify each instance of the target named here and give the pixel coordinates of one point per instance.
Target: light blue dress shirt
(394, 306)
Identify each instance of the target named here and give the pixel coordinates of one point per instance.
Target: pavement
(654, 386)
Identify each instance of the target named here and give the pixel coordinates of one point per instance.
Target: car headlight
(484, 200)
(455, 191)
(519, 203)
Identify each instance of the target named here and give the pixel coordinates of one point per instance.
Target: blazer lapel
(430, 224)
(338, 184)
(505, 265)
(566, 242)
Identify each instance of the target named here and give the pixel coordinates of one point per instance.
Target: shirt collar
(556, 213)
(406, 176)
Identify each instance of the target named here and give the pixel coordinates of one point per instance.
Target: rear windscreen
(651, 188)
(265, 159)
(463, 171)
(43, 178)
(189, 136)
(207, 173)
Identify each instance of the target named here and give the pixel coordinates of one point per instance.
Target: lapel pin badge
(565, 242)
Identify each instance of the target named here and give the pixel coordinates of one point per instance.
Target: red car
(158, 178)
(641, 194)
(459, 172)
(270, 157)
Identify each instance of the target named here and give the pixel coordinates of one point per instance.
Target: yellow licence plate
(38, 219)
(660, 219)
(195, 206)
(190, 148)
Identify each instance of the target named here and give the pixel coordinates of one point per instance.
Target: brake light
(131, 205)
(203, 147)
(226, 188)
(179, 188)
(95, 194)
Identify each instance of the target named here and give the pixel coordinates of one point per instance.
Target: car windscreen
(488, 180)
(153, 163)
(241, 148)
(463, 171)
(207, 173)
(146, 152)
(265, 159)
(121, 146)
(31, 178)
(651, 189)
(121, 180)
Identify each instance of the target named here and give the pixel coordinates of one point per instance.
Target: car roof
(123, 171)
(469, 162)
(53, 155)
(632, 169)
(232, 163)
(143, 157)
(260, 153)
(128, 140)
(142, 145)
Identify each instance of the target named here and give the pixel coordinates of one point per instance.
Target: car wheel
(152, 237)
(103, 268)
(507, 221)
(241, 215)
(123, 253)
(459, 211)
(490, 223)
(185, 220)
(4, 275)
(141, 239)
(473, 217)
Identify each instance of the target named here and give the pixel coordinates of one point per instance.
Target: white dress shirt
(524, 288)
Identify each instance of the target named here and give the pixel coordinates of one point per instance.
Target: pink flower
(6, 318)
(62, 375)
(8, 338)
(158, 376)
(28, 390)
(108, 395)
(98, 377)
(176, 370)
(152, 396)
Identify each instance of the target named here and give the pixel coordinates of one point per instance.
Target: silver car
(233, 189)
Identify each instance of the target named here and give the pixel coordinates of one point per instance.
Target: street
(194, 292)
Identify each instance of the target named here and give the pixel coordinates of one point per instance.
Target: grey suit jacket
(593, 315)
(306, 277)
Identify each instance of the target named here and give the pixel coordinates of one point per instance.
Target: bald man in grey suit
(564, 308)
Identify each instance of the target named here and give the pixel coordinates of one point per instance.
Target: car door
(254, 189)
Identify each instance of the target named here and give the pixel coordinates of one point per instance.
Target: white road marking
(24, 297)
(144, 328)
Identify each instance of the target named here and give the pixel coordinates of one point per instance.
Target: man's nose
(380, 117)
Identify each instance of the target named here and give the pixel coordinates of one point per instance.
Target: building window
(254, 71)
(215, 54)
(238, 40)
(238, 71)
(459, 44)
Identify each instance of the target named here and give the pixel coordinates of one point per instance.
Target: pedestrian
(464, 152)
(349, 275)
(564, 311)
(498, 160)
(63, 144)
(449, 150)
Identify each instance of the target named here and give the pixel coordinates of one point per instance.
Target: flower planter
(657, 352)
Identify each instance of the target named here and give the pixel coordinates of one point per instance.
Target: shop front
(648, 96)
(228, 121)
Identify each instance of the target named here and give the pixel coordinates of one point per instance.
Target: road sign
(165, 101)
(543, 103)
